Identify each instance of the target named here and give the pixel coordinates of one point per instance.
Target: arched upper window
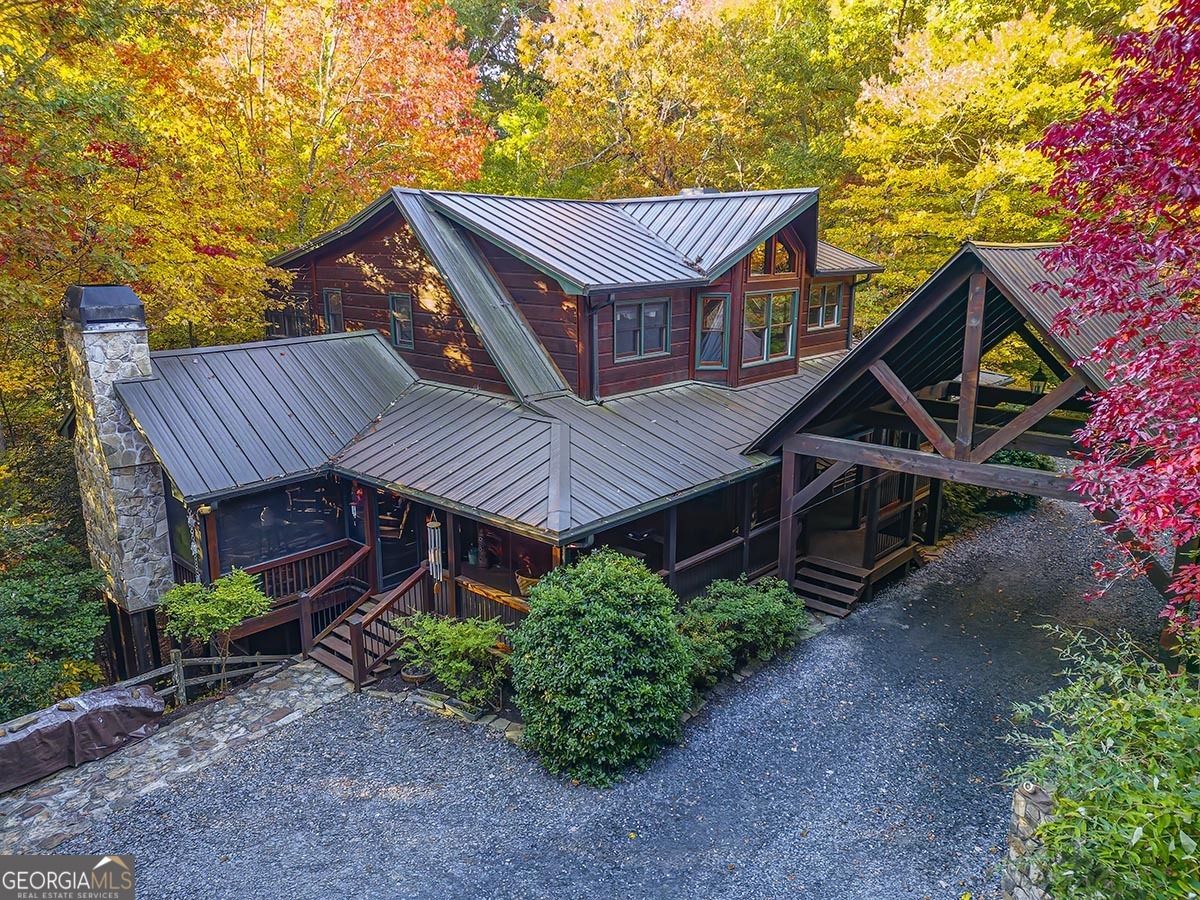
(774, 256)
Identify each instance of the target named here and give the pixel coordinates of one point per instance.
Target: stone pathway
(42, 815)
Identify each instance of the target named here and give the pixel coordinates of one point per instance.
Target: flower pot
(414, 674)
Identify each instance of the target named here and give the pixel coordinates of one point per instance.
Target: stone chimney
(121, 483)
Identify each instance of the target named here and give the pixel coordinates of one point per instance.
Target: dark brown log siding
(635, 374)
(553, 314)
(826, 340)
(390, 260)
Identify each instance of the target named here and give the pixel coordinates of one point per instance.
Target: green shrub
(710, 657)
(458, 653)
(600, 672)
(203, 612)
(751, 620)
(1117, 745)
(51, 618)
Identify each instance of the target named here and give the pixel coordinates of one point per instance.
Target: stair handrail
(386, 602)
(328, 582)
(390, 596)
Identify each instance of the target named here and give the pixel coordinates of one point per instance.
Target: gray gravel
(864, 764)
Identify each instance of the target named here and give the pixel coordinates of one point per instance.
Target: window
(772, 257)
(784, 260)
(400, 316)
(825, 305)
(712, 349)
(640, 329)
(290, 317)
(333, 311)
(768, 327)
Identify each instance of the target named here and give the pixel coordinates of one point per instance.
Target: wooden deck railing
(288, 575)
(478, 600)
(374, 637)
(349, 574)
(182, 570)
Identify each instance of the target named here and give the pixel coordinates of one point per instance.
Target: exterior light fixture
(1038, 381)
(204, 509)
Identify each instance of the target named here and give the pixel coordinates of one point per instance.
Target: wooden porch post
(968, 397)
(744, 505)
(210, 547)
(933, 524)
(856, 499)
(670, 540)
(450, 582)
(787, 519)
(909, 492)
(371, 537)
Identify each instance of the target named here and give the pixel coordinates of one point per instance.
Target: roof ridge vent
(698, 191)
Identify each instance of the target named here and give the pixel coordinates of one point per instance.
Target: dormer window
(641, 329)
(773, 256)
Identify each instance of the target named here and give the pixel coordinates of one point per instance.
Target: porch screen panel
(705, 522)
(271, 524)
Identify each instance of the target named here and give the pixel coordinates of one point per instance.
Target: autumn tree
(320, 105)
(940, 149)
(644, 98)
(1127, 181)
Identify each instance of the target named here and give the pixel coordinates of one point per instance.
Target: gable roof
(833, 260)
(570, 467)
(922, 339)
(591, 246)
(222, 418)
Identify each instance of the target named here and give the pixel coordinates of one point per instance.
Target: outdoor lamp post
(1038, 380)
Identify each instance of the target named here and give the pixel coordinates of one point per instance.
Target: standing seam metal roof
(521, 358)
(222, 418)
(489, 455)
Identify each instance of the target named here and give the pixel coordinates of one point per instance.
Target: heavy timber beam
(912, 406)
(810, 491)
(992, 396)
(942, 409)
(1031, 441)
(972, 347)
(1042, 352)
(1027, 418)
(914, 462)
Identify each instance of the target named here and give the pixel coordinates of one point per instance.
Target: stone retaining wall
(1021, 879)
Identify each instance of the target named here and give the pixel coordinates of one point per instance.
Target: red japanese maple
(1127, 177)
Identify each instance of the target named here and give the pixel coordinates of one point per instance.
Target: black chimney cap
(103, 304)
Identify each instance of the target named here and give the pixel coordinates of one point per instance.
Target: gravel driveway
(864, 764)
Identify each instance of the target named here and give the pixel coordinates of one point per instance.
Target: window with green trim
(400, 318)
(333, 311)
(768, 327)
(825, 305)
(641, 328)
(712, 347)
(773, 256)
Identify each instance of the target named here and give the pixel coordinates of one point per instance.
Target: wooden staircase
(360, 641)
(829, 585)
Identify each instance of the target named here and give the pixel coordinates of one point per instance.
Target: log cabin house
(462, 391)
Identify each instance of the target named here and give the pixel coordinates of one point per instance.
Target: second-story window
(768, 327)
(641, 328)
(773, 256)
(400, 316)
(825, 305)
(333, 311)
(712, 348)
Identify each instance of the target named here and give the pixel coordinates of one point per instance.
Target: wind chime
(433, 529)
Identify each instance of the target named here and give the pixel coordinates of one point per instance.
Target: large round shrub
(600, 672)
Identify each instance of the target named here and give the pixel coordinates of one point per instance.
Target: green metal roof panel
(521, 358)
(221, 419)
(493, 457)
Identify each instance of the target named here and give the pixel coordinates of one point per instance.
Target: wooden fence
(175, 682)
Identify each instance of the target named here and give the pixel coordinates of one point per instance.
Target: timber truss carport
(906, 405)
